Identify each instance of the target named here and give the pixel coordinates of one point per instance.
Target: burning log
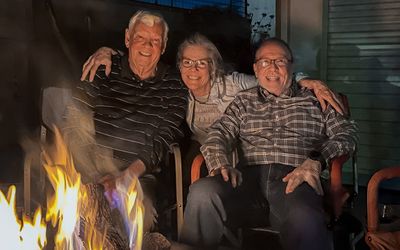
(99, 223)
(109, 224)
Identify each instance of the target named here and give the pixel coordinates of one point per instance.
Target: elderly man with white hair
(139, 106)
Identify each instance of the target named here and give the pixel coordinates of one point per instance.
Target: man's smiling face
(273, 67)
(145, 46)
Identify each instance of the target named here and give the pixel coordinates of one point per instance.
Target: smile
(144, 54)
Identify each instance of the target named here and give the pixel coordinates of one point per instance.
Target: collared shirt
(269, 129)
(202, 114)
(136, 119)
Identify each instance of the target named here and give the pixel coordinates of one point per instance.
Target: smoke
(78, 130)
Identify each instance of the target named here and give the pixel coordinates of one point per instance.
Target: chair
(337, 194)
(382, 235)
(54, 102)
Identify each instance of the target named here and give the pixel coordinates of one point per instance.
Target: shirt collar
(292, 91)
(126, 71)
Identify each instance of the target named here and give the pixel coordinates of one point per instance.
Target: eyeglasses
(201, 64)
(280, 62)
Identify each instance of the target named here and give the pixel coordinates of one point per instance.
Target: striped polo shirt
(136, 119)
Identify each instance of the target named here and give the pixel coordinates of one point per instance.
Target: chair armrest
(174, 149)
(196, 167)
(336, 191)
(372, 194)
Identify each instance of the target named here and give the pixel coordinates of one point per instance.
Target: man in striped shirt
(140, 106)
(285, 140)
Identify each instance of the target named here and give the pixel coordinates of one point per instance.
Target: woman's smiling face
(195, 70)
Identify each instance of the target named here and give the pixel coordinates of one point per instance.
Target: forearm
(342, 135)
(215, 152)
(244, 81)
(220, 139)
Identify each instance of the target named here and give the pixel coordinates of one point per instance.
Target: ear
(127, 37)
(255, 69)
(164, 47)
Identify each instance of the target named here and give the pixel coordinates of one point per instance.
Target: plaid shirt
(269, 129)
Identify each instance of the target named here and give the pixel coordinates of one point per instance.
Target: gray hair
(150, 18)
(217, 70)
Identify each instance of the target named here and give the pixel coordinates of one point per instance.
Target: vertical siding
(363, 61)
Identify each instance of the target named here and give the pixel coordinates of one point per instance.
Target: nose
(148, 43)
(194, 67)
(273, 63)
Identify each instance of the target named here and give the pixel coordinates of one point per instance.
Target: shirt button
(276, 117)
(141, 84)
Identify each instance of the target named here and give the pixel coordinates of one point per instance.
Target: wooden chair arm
(175, 150)
(196, 167)
(372, 194)
(337, 192)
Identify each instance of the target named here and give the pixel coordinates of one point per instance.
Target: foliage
(261, 28)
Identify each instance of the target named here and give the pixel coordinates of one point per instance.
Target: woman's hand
(101, 57)
(324, 95)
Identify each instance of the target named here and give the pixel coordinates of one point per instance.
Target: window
(237, 6)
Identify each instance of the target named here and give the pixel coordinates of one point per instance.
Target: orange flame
(16, 235)
(63, 207)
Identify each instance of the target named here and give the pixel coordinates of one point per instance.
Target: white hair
(150, 18)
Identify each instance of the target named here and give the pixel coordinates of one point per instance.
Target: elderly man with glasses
(284, 139)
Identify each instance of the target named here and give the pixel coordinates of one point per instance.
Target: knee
(305, 221)
(204, 187)
(204, 190)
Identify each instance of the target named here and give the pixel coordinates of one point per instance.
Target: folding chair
(53, 106)
(382, 235)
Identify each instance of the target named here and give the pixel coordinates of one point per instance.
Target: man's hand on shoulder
(229, 174)
(308, 172)
(101, 57)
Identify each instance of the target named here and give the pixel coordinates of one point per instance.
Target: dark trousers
(213, 204)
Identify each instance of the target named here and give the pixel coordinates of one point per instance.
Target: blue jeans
(213, 203)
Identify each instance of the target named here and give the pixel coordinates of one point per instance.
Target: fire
(64, 207)
(132, 209)
(16, 235)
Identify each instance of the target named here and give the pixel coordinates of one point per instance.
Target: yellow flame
(134, 211)
(94, 239)
(16, 235)
(63, 206)
(63, 210)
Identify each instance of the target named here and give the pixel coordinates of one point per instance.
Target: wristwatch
(317, 156)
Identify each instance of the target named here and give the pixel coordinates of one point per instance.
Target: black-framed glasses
(200, 64)
(280, 62)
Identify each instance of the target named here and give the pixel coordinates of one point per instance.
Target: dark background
(45, 42)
